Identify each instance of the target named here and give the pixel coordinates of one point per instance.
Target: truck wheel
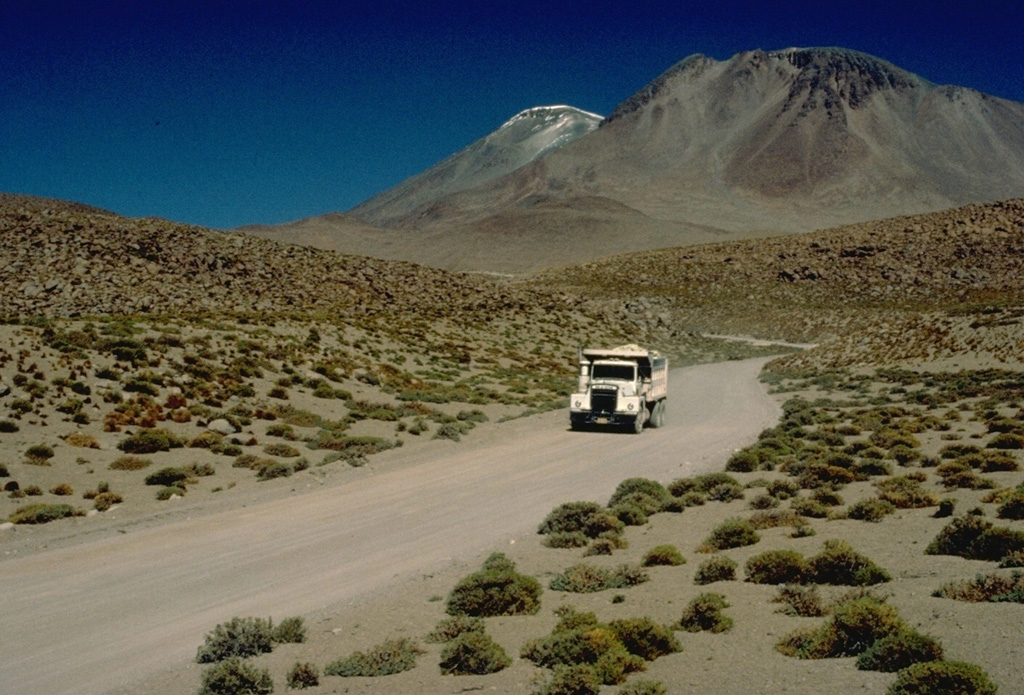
(658, 414)
(638, 423)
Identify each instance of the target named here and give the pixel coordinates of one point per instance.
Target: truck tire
(638, 423)
(658, 414)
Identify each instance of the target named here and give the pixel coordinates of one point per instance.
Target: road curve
(111, 612)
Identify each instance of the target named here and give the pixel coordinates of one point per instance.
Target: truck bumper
(587, 419)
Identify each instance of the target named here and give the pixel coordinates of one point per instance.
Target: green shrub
(905, 493)
(643, 687)
(975, 538)
(871, 509)
(129, 463)
(946, 507)
(649, 495)
(704, 614)
(1012, 508)
(150, 441)
(588, 518)
(764, 501)
(776, 567)
(303, 675)
(8, 426)
(235, 676)
(450, 628)
(839, 564)
(726, 492)
(899, 650)
(43, 513)
(103, 501)
(855, 625)
(566, 539)
(290, 631)
(645, 638)
(241, 637)
(942, 678)
(39, 452)
(1006, 440)
(663, 555)
(732, 533)
(802, 601)
(992, 587)
(782, 489)
(806, 506)
(715, 569)
(743, 462)
(583, 578)
(389, 657)
(497, 589)
(572, 680)
(629, 514)
(277, 469)
(166, 493)
(167, 476)
(281, 449)
(473, 652)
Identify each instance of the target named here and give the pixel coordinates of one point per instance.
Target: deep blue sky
(224, 113)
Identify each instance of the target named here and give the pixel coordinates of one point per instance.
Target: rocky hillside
(853, 283)
(64, 259)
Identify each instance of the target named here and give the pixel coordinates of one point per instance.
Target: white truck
(623, 386)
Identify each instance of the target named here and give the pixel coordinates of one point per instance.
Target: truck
(626, 386)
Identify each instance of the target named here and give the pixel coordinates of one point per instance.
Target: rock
(6, 526)
(221, 425)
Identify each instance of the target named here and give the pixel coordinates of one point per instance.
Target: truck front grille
(603, 401)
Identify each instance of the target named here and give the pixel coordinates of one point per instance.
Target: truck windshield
(624, 372)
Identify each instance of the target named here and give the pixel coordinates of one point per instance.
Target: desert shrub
(277, 469)
(566, 539)
(782, 489)
(149, 441)
(975, 538)
(899, 650)
(280, 429)
(82, 440)
(643, 687)
(996, 461)
(663, 555)
(743, 462)
(43, 513)
(290, 631)
(704, 614)
(103, 501)
(904, 455)
(39, 452)
(450, 628)
(839, 564)
(166, 493)
(1012, 508)
(281, 449)
(235, 676)
(4, 472)
(497, 589)
(731, 533)
(871, 509)
(830, 498)
(726, 492)
(867, 468)
(579, 679)
(389, 657)
(33, 490)
(62, 490)
(303, 675)
(588, 518)
(715, 569)
(806, 506)
(629, 514)
(8, 426)
(819, 475)
(775, 519)
(942, 678)
(905, 493)
(205, 440)
(802, 601)
(946, 507)
(1014, 558)
(129, 463)
(992, 587)
(776, 567)
(682, 486)
(645, 638)
(764, 501)
(167, 476)
(854, 626)
(649, 495)
(473, 652)
(1006, 440)
(239, 637)
(584, 579)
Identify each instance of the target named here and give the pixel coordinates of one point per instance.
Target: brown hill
(765, 142)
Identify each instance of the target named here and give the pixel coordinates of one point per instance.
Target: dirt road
(110, 612)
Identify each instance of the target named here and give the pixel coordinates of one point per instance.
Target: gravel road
(109, 612)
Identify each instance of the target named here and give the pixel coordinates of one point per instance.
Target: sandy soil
(125, 611)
